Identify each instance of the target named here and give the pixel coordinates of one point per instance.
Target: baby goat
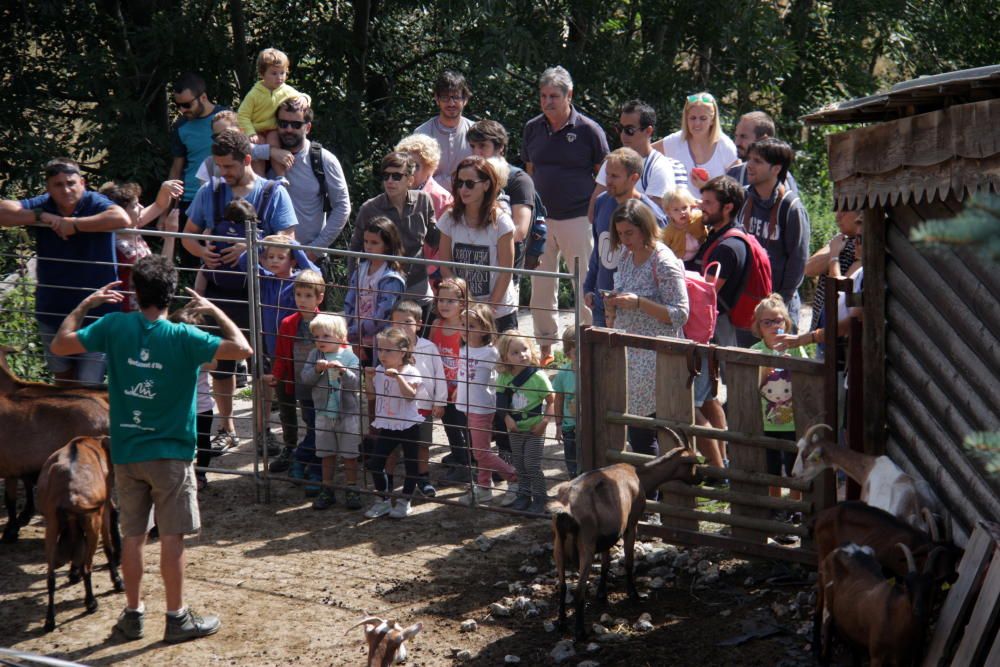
(386, 640)
(74, 492)
(887, 618)
(598, 508)
(883, 483)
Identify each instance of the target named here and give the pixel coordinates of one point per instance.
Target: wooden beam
(675, 401)
(608, 388)
(707, 431)
(809, 407)
(982, 623)
(739, 522)
(873, 333)
(758, 478)
(759, 500)
(743, 413)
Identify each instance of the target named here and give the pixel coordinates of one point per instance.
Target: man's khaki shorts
(165, 485)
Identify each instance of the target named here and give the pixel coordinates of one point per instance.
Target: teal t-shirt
(527, 397)
(776, 392)
(347, 359)
(152, 383)
(564, 384)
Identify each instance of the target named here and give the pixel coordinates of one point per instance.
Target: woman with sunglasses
(700, 143)
(411, 211)
(478, 232)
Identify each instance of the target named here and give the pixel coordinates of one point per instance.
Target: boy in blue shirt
(564, 386)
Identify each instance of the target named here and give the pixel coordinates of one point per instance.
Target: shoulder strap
(523, 376)
(265, 201)
(772, 221)
(316, 162)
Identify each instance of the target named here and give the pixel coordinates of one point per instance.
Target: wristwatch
(38, 214)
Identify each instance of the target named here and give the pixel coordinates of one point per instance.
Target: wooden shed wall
(942, 369)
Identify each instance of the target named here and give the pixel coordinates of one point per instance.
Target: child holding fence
(527, 400)
(446, 334)
(374, 287)
(433, 394)
(333, 371)
(771, 319)
(476, 397)
(394, 385)
(564, 386)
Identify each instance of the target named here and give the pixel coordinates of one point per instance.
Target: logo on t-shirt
(609, 257)
(570, 137)
(143, 390)
(478, 280)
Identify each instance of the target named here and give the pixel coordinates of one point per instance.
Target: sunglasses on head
(294, 124)
(468, 184)
(392, 175)
(629, 130)
(704, 98)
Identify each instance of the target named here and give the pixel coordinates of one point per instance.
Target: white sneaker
(379, 508)
(400, 510)
(481, 495)
(508, 498)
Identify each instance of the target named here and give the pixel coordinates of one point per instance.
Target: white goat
(883, 484)
(386, 640)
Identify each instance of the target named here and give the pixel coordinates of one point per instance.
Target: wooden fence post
(744, 414)
(809, 407)
(601, 385)
(675, 400)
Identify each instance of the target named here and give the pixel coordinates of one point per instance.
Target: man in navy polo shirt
(76, 255)
(563, 149)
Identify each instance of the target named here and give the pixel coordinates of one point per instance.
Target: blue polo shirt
(191, 139)
(563, 162)
(278, 215)
(69, 270)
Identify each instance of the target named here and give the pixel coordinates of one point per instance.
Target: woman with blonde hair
(700, 144)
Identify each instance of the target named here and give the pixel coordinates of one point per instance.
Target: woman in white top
(477, 231)
(700, 143)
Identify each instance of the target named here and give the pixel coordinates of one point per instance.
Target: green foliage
(984, 448)
(20, 331)
(978, 225)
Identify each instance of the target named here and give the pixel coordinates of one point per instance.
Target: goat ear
(412, 630)
(815, 455)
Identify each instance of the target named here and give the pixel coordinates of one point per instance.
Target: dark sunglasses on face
(467, 184)
(185, 105)
(392, 175)
(294, 124)
(629, 130)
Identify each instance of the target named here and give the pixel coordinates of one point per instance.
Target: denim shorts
(89, 366)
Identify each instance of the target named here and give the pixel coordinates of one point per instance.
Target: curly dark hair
(232, 142)
(155, 281)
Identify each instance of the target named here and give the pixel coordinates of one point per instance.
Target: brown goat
(598, 508)
(74, 492)
(887, 618)
(386, 640)
(38, 419)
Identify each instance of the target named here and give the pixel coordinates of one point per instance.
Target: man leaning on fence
(152, 379)
(75, 243)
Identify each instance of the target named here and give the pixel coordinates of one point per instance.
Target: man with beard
(752, 127)
(191, 133)
(321, 206)
(623, 170)
(449, 127)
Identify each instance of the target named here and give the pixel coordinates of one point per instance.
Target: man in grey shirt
(448, 128)
(321, 217)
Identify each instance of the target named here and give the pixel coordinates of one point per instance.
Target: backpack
(534, 244)
(316, 162)
(758, 283)
(229, 277)
(702, 307)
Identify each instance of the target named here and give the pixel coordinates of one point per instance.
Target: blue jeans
(88, 367)
(569, 448)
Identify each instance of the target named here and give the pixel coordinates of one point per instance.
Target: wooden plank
(994, 656)
(707, 431)
(587, 423)
(768, 502)
(609, 387)
(961, 597)
(982, 623)
(873, 333)
(769, 551)
(743, 413)
(738, 522)
(758, 478)
(675, 401)
(810, 407)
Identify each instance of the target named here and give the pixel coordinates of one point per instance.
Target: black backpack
(316, 162)
(229, 277)
(534, 244)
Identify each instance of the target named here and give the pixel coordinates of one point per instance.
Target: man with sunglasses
(76, 255)
(449, 127)
(660, 174)
(754, 126)
(321, 208)
(191, 133)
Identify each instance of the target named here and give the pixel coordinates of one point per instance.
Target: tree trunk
(244, 73)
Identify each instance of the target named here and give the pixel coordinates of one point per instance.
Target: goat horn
(370, 619)
(932, 526)
(932, 559)
(910, 563)
(812, 429)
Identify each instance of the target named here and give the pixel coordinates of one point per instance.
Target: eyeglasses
(451, 98)
(392, 175)
(468, 184)
(772, 323)
(294, 124)
(629, 130)
(704, 98)
(185, 105)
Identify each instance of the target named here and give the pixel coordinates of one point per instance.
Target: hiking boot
(130, 624)
(400, 510)
(325, 500)
(283, 461)
(522, 503)
(224, 441)
(539, 506)
(380, 507)
(457, 475)
(352, 499)
(507, 499)
(189, 626)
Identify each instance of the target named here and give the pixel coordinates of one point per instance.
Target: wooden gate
(603, 396)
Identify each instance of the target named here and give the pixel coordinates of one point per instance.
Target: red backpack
(758, 283)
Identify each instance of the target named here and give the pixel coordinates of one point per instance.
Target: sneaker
(130, 624)
(653, 519)
(325, 500)
(224, 441)
(426, 489)
(481, 495)
(352, 499)
(273, 446)
(379, 508)
(449, 459)
(283, 461)
(539, 506)
(189, 626)
(508, 498)
(400, 510)
(522, 503)
(457, 475)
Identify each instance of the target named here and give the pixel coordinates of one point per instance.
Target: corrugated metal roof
(909, 98)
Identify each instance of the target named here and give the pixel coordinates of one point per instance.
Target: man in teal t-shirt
(152, 382)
